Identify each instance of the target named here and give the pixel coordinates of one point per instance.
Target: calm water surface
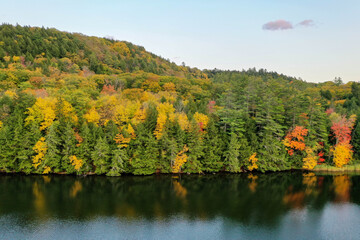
(291, 205)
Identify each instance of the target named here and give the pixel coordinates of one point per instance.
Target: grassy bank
(346, 168)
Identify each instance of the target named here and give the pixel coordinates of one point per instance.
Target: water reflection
(342, 188)
(252, 184)
(253, 201)
(75, 189)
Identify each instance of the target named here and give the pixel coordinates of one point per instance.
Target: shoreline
(355, 168)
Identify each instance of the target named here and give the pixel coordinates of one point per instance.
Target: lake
(287, 205)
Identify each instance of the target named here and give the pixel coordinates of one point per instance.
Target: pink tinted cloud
(278, 25)
(307, 23)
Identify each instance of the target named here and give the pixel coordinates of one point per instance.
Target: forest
(75, 104)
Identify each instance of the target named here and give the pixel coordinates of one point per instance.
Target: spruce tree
(53, 154)
(195, 153)
(101, 156)
(213, 149)
(68, 145)
(145, 153)
(86, 147)
(232, 155)
(119, 156)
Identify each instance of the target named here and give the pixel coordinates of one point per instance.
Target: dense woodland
(75, 104)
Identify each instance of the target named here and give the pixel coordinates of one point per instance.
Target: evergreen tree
(68, 144)
(5, 145)
(195, 153)
(101, 156)
(232, 155)
(213, 149)
(118, 159)
(86, 146)
(53, 154)
(145, 153)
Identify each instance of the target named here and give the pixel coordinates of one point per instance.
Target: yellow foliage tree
(168, 96)
(130, 130)
(68, 111)
(122, 141)
(180, 160)
(7, 58)
(128, 111)
(106, 106)
(46, 170)
(132, 93)
(151, 85)
(165, 111)
(310, 161)
(92, 116)
(43, 112)
(16, 58)
(121, 48)
(183, 121)
(77, 163)
(342, 154)
(40, 149)
(253, 160)
(139, 116)
(11, 93)
(202, 120)
(169, 87)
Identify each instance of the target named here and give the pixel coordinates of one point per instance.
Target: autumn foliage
(342, 128)
(180, 160)
(40, 149)
(78, 104)
(294, 140)
(253, 162)
(310, 161)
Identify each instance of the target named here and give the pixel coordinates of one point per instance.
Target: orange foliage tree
(294, 140)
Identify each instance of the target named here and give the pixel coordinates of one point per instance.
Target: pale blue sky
(225, 34)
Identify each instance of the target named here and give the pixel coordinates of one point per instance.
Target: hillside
(75, 104)
(44, 47)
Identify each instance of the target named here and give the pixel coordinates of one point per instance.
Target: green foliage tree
(101, 156)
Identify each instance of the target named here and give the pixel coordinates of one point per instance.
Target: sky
(315, 40)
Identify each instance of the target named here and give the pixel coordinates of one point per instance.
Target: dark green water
(266, 206)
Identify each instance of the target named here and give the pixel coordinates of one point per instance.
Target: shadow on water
(259, 199)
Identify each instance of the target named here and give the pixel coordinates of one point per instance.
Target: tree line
(60, 114)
